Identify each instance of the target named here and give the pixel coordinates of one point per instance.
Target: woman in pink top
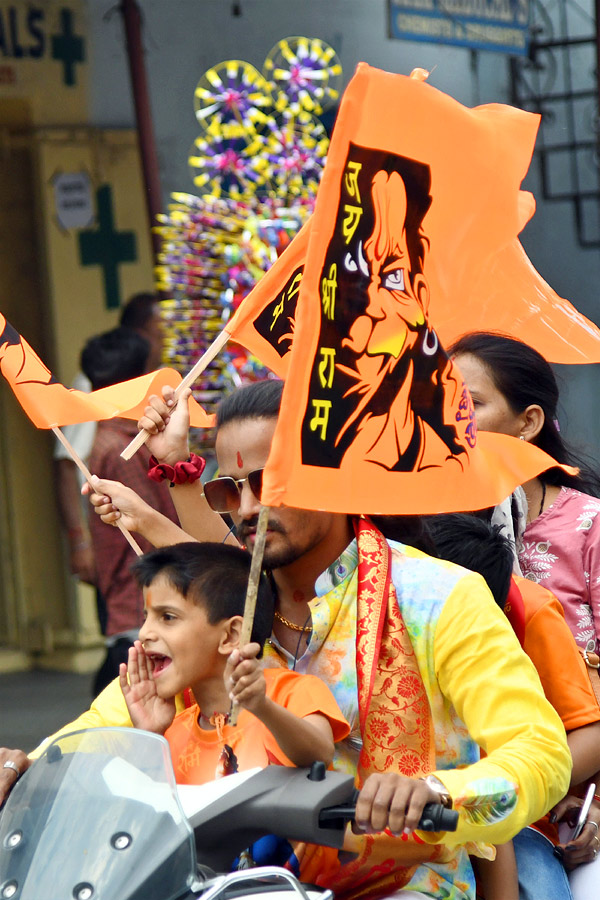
(514, 392)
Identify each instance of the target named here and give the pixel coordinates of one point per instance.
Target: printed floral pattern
(561, 551)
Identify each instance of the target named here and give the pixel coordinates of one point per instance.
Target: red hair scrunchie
(188, 471)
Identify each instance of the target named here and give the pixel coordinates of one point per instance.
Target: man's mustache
(247, 527)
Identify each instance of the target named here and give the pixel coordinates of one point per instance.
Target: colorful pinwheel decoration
(256, 167)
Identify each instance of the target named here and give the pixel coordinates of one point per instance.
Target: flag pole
(88, 477)
(209, 354)
(252, 590)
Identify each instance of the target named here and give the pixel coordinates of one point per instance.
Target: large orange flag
(507, 295)
(48, 403)
(375, 418)
(501, 292)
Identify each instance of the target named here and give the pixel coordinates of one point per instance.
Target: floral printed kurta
(561, 551)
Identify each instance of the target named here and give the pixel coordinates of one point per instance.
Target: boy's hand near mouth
(146, 709)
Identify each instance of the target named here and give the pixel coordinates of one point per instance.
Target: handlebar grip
(436, 817)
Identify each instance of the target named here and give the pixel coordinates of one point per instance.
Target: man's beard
(273, 558)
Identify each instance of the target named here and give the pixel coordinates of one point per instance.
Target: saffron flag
(375, 418)
(264, 321)
(49, 403)
(502, 292)
(507, 295)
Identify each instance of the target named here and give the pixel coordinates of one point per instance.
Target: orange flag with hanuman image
(502, 293)
(507, 296)
(375, 418)
(48, 403)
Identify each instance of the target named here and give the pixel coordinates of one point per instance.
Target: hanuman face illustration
(382, 388)
(397, 296)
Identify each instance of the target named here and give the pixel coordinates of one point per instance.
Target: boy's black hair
(411, 530)
(475, 544)
(259, 400)
(114, 356)
(213, 576)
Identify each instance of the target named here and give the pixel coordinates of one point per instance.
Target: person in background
(514, 392)
(141, 314)
(107, 359)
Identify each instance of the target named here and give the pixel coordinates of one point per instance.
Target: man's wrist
(261, 708)
(178, 454)
(441, 791)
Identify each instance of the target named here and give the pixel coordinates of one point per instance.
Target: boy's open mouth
(159, 664)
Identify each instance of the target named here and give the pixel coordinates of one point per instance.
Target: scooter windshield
(97, 818)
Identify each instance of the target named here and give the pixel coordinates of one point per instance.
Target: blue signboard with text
(501, 25)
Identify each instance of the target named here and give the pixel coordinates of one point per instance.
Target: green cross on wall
(106, 247)
(67, 48)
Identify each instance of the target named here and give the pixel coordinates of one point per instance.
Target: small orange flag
(264, 321)
(48, 403)
(375, 418)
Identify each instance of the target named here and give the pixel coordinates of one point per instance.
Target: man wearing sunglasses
(424, 676)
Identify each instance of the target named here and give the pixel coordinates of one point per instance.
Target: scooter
(99, 817)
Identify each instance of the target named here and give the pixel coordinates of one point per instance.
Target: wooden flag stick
(252, 590)
(219, 342)
(88, 477)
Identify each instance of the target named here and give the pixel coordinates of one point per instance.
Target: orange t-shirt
(551, 647)
(197, 753)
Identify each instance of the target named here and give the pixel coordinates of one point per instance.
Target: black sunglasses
(224, 494)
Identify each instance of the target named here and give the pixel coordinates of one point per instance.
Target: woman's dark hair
(213, 576)
(259, 400)
(524, 377)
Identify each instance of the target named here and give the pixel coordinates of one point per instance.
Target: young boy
(194, 596)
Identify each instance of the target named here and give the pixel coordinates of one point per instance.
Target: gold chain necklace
(303, 628)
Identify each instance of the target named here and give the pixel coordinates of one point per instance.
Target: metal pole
(135, 53)
(597, 5)
(597, 129)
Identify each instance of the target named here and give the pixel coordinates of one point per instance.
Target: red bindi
(240, 461)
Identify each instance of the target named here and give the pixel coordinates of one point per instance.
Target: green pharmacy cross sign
(107, 247)
(67, 47)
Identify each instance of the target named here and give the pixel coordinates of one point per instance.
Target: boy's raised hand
(168, 422)
(146, 708)
(244, 678)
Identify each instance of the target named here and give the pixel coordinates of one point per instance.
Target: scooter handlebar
(434, 817)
